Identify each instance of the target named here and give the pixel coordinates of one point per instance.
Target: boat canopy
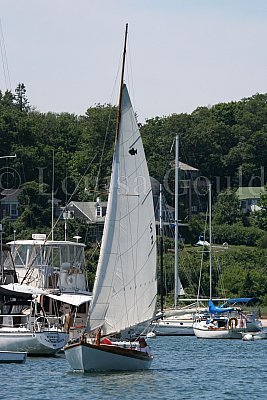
(241, 300)
(25, 291)
(17, 290)
(73, 299)
(218, 310)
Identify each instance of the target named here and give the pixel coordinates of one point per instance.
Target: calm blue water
(183, 368)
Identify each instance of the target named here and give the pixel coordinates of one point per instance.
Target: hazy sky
(181, 53)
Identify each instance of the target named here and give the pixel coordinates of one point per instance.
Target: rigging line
(130, 73)
(169, 219)
(4, 58)
(202, 260)
(71, 196)
(172, 145)
(50, 233)
(108, 123)
(103, 150)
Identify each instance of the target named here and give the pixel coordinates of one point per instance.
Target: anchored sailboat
(125, 289)
(223, 322)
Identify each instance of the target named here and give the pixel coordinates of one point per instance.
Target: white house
(249, 197)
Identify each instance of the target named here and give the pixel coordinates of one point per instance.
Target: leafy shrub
(237, 234)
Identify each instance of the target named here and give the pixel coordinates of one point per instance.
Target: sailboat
(222, 322)
(125, 287)
(177, 321)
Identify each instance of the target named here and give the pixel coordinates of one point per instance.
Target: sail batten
(125, 287)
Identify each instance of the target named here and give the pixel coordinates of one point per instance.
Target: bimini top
(242, 300)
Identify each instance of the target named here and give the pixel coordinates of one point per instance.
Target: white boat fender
(247, 337)
(151, 335)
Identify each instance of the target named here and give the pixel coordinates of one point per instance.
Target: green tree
(34, 210)
(227, 208)
(248, 285)
(20, 97)
(259, 218)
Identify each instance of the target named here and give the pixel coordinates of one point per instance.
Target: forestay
(125, 287)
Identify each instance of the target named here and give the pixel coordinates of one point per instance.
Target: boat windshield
(52, 255)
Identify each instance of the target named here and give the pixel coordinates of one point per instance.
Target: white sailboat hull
(87, 357)
(219, 333)
(203, 331)
(171, 327)
(34, 343)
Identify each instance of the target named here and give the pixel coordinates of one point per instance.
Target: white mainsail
(125, 287)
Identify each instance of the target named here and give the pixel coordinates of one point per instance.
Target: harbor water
(183, 368)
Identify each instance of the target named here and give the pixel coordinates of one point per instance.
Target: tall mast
(122, 78)
(1, 255)
(210, 233)
(176, 198)
(161, 249)
(52, 195)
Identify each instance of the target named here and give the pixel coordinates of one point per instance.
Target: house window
(98, 211)
(10, 210)
(13, 210)
(243, 203)
(92, 231)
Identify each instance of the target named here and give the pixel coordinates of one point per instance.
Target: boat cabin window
(26, 255)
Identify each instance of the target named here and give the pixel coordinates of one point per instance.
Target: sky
(181, 54)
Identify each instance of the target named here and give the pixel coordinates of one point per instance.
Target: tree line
(227, 142)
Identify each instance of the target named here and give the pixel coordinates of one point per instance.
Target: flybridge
(49, 264)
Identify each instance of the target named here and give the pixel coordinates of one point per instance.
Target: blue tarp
(218, 310)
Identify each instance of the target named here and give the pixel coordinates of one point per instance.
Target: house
(168, 212)
(249, 197)
(190, 183)
(92, 213)
(9, 204)
(190, 188)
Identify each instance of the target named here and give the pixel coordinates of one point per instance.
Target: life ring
(40, 322)
(69, 279)
(233, 323)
